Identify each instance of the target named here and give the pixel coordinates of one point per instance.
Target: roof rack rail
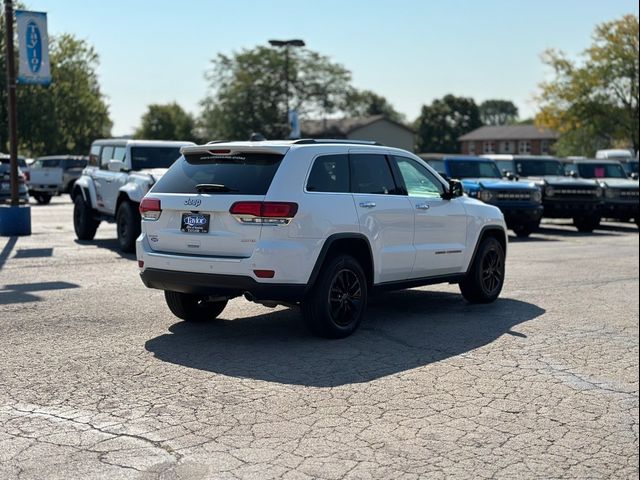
(217, 141)
(311, 141)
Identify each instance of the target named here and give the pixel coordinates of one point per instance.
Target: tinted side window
(107, 154)
(330, 173)
(370, 173)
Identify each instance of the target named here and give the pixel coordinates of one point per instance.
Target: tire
(127, 226)
(84, 222)
(523, 230)
(338, 300)
(586, 224)
(42, 198)
(484, 280)
(193, 308)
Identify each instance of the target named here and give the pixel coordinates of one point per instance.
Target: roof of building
(510, 132)
(337, 127)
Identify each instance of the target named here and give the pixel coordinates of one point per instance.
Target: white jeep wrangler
(119, 173)
(320, 223)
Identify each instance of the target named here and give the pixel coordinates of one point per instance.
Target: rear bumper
(232, 276)
(50, 189)
(221, 285)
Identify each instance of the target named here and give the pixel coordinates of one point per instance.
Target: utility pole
(286, 44)
(12, 104)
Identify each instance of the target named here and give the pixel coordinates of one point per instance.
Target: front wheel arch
(489, 231)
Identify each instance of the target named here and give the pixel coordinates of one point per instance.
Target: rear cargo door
(196, 195)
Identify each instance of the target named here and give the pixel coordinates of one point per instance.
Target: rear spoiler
(222, 149)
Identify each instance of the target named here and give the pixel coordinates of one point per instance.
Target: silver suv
(322, 224)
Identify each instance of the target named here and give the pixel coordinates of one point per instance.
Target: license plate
(195, 222)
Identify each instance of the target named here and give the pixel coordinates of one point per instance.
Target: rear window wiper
(214, 187)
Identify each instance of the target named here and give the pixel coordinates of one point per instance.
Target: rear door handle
(422, 206)
(367, 204)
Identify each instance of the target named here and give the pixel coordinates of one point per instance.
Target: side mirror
(634, 176)
(455, 190)
(510, 176)
(573, 174)
(116, 165)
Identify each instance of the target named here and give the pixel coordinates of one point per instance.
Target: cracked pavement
(99, 380)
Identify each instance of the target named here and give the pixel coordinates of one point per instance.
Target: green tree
(360, 103)
(594, 103)
(498, 112)
(166, 122)
(248, 92)
(66, 116)
(441, 123)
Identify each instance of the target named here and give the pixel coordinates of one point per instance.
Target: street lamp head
(287, 43)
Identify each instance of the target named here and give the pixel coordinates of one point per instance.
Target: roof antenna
(257, 137)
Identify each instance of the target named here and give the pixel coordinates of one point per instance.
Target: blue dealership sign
(33, 48)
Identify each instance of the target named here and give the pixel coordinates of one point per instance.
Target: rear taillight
(26, 176)
(264, 213)
(150, 209)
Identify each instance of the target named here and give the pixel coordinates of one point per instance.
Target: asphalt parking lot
(99, 380)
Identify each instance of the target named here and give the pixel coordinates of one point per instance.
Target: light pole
(287, 44)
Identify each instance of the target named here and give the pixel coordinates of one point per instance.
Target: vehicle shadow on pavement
(570, 231)
(107, 243)
(402, 331)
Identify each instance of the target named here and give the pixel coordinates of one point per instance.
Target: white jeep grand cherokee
(320, 223)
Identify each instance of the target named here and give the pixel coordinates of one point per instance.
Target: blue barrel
(15, 220)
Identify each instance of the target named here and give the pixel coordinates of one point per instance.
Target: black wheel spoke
(344, 297)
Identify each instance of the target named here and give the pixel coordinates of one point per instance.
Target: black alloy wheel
(492, 272)
(345, 298)
(484, 280)
(335, 305)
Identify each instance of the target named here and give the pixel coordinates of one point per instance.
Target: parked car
(118, 175)
(5, 180)
(320, 223)
(44, 182)
(625, 157)
(562, 195)
(520, 202)
(71, 165)
(622, 198)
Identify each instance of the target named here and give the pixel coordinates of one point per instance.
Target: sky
(409, 51)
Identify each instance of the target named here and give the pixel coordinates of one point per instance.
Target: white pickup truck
(120, 172)
(45, 182)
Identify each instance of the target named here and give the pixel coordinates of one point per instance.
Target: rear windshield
(538, 168)
(237, 174)
(153, 157)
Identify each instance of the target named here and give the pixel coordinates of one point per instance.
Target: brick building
(513, 139)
